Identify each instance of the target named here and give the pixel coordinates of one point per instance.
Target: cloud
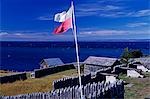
(141, 13)
(83, 34)
(46, 18)
(112, 32)
(137, 24)
(104, 32)
(105, 8)
(34, 36)
(94, 9)
(3, 33)
(109, 8)
(124, 13)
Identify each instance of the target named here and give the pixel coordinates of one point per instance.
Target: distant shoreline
(103, 40)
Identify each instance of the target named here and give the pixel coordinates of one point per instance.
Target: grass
(140, 88)
(4, 73)
(43, 84)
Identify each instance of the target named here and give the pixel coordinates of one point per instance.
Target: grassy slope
(43, 84)
(4, 73)
(140, 88)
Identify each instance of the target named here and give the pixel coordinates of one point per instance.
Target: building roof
(53, 61)
(143, 60)
(103, 61)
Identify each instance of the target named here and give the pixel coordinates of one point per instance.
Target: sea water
(26, 56)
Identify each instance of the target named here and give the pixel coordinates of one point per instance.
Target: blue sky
(32, 20)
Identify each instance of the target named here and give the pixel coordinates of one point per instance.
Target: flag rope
(77, 50)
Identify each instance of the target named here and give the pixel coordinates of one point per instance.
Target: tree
(136, 53)
(127, 54)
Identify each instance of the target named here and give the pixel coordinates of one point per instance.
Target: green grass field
(139, 90)
(140, 87)
(43, 84)
(4, 73)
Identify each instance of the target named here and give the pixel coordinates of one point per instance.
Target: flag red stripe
(67, 24)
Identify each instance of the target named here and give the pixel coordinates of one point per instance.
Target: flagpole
(77, 50)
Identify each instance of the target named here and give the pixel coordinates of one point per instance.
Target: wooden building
(145, 61)
(92, 63)
(142, 63)
(45, 63)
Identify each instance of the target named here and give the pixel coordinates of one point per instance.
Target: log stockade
(91, 91)
(13, 77)
(38, 73)
(51, 70)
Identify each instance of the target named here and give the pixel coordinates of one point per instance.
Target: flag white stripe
(61, 17)
(69, 13)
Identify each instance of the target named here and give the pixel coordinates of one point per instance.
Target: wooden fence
(13, 78)
(71, 81)
(51, 70)
(98, 76)
(91, 91)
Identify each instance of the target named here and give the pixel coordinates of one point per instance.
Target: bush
(127, 54)
(136, 53)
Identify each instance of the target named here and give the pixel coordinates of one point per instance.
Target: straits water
(25, 56)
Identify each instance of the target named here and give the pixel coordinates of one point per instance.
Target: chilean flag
(66, 21)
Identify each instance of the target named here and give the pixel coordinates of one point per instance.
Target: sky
(33, 20)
